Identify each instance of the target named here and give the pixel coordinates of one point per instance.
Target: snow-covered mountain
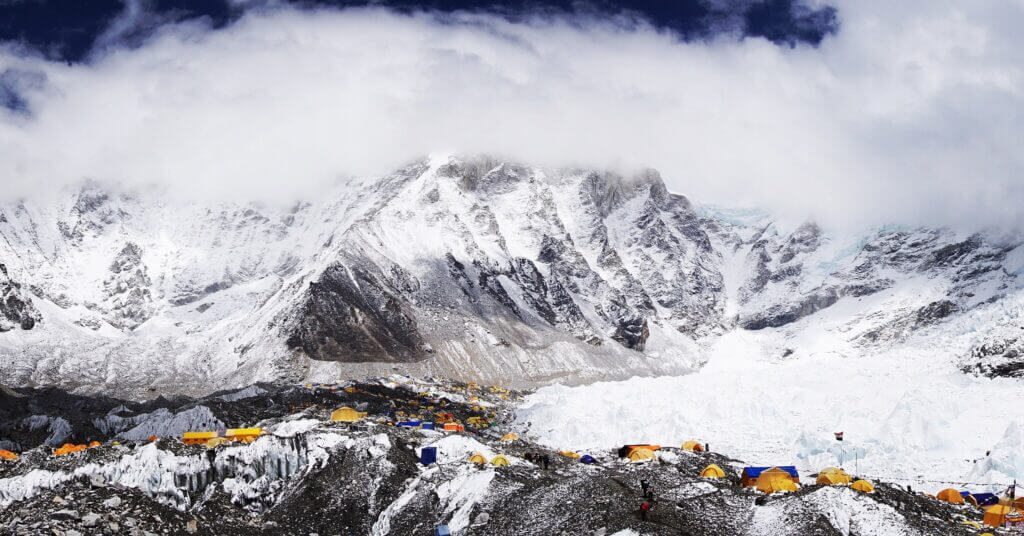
(469, 268)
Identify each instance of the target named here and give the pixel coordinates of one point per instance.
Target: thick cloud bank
(909, 114)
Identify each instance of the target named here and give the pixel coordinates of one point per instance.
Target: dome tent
(712, 471)
(863, 486)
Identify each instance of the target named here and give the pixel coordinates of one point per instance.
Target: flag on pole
(839, 436)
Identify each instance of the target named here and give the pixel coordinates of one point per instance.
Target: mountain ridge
(469, 268)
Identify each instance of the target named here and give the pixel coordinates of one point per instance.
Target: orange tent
(8, 455)
(693, 446)
(94, 444)
(997, 514)
(950, 495)
(68, 448)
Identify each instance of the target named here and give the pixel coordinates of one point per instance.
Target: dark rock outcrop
(352, 315)
(16, 309)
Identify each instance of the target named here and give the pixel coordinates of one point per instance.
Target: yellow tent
(346, 414)
(569, 454)
(693, 446)
(971, 523)
(995, 515)
(712, 471)
(641, 454)
(478, 458)
(511, 436)
(775, 484)
(833, 476)
(500, 461)
(775, 472)
(215, 442)
(864, 486)
(245, 435)
(197, 438)
(950, 495)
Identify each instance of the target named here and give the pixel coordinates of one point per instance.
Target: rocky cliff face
(471, 268)
(16, 309)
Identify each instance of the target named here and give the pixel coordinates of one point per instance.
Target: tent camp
(950, 495)
(693, 446)
(863, 486)
(346, 414)
(752, 474)
(712, 471)
(500, 461)
(639, 455)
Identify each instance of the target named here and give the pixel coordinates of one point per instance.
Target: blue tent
(750, 474)
(588, 459)
(442, 530)
(409, 424)
(985, 499)
(427, 426)
(754, 472)
(428, 455)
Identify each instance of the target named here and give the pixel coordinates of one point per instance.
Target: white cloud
(911, 114)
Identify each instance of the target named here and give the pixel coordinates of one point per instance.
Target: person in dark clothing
(645, 507)
(707, 447)
(643, 488)
(546, 459)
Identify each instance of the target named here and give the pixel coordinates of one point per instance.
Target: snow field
(907, 417)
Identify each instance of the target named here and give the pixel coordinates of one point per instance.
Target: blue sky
(70, 29)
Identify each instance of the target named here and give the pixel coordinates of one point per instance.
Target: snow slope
(909, 414)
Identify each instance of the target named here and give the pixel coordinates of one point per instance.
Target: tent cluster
(215, 438)
(447, 427)
(498, 461)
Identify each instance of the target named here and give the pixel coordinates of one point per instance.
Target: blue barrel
(428, 455)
